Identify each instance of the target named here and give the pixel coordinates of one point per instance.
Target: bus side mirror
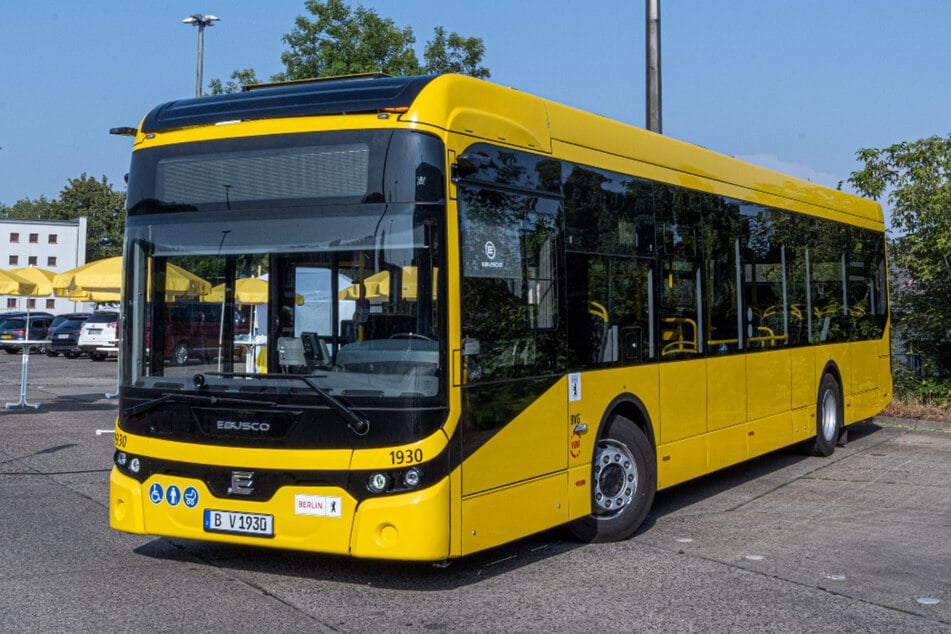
(466, 165)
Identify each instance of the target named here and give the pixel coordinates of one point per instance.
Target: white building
(56, 245)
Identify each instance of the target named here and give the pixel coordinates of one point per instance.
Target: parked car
(24, 326)
(99, 331)
(64, 335)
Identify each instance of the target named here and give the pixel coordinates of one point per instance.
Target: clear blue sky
(793, 85)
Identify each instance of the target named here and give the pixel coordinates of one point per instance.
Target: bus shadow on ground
(473, 569)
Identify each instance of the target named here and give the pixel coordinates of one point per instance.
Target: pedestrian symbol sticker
(173, 495)
(156, 493)
(190, 497)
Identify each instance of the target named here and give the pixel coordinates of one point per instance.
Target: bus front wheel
(623, 482)
(828, 417)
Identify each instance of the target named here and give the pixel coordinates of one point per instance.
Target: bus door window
(828, 283)
(609, 237)
(723, 317)
(510, 294)
(678, 225)
(766, 309)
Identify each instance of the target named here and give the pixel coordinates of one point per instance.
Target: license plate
(6, 336)
(253, 524)
(62, 336)
(95, 331)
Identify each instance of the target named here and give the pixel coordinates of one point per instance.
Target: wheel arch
(632, 408)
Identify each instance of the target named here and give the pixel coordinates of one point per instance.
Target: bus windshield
(345, 295)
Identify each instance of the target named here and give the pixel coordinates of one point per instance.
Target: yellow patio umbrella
(377, 286)
(43, 279)
(13, 284)
(247, 291)
(102, 279)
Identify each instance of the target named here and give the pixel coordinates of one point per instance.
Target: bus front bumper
(410, 526)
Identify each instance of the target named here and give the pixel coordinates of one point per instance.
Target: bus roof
(476, 108)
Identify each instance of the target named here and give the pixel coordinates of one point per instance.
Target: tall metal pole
(201, 21)
(201, 58)
(654, 101)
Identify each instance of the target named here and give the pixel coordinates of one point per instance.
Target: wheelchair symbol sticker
(156, 493)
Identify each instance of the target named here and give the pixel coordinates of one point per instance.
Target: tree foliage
(103, 207)
(915, 180)
(336, 39)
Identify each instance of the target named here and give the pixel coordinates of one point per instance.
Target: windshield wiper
(357, 422)
(141, 408)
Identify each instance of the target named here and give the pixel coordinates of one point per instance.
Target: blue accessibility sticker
(156, 493)
(190, 497)
(173, 495)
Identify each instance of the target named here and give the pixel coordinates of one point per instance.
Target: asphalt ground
(859, 542)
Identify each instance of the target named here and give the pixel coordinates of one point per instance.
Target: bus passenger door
(514, 448)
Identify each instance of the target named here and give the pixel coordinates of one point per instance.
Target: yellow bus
(469, 315)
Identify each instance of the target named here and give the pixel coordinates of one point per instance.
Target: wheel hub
(615, 478)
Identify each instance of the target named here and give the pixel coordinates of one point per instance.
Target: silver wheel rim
(830, 414)
(615, 478)
(181, 354)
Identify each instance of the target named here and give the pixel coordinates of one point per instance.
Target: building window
(51, 260)
(14, 237)
(53, 238)
(31, 261)
(31, 303)
(14, 260)
(51, 303)
(11, 302)
(34, 238)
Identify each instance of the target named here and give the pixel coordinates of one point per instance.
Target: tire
(98, 356)
(50, 353)
(181, 353)
(829, 416)
(623, 483)
(70, 355)
(12, 350)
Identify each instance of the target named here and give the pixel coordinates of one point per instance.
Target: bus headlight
(411, 478)
(378, 483)
(135, 465)
(122, 459)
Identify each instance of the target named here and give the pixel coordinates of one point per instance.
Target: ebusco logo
(490, 249)
(242, 425)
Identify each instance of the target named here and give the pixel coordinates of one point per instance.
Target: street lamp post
(201, 21)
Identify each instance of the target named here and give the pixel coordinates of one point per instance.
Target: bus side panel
(768, 434)
(497, 517)
(531, 445)
(726, 392)
(681, 461)
(864, 366)
(802, 361)
(768, 388)
(683, 400)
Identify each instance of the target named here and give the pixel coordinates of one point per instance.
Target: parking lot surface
(860, 541)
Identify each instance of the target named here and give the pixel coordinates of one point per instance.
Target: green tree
(455, 54)
(238, 79)
(339, 40)
(41, 209)
(104, 209)
(913, 177)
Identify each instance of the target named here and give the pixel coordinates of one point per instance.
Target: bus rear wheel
(828, 417)
(623, 482)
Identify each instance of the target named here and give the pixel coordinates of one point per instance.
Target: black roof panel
(332, 96)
